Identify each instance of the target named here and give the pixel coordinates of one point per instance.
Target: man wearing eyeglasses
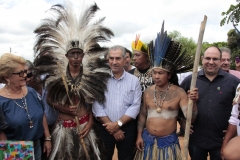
(216, 89)
(226, 61)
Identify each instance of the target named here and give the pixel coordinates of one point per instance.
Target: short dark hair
(217, 49)
(128, 51)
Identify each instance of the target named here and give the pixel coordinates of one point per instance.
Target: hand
(119, 135)
(139, 143)
(73, 110)
(222, 153)
(86, 130)
(193, 94)
(191, 129)
(47, 147)
(111, 127)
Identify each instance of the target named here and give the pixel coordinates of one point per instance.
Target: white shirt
(123, 97)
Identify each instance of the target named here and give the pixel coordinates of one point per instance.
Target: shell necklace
(23, 107)
(161, 100)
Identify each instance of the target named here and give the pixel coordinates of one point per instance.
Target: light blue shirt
(123, 97)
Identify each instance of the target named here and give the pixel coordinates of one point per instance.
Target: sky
(125, 18)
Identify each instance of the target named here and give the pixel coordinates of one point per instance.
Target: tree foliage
(188, 44)
(233, 37)
(232, 15)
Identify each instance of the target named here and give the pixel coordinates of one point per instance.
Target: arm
(131, 112)
(231, 132)
(66, 109)
(193, 95)
(99, 112)
(134, 108)
(232, 129)
(47, 142)
(88, 126)
(2, 135)
(141, 123)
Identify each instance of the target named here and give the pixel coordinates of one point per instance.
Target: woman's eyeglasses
(21, 73)
(29, 74)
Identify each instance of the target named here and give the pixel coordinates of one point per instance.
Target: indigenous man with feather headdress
(80, 72)
(142, 63)
(157, 122)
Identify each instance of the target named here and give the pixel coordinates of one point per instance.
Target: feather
(92, 139)
(58, 134)
(161, 45)
(168, 55)
(52, 38)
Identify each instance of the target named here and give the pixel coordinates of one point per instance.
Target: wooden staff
(76, 117)
(193, 84)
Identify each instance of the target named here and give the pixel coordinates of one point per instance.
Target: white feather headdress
(66, 30)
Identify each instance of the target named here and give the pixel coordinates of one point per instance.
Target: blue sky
(126, 18)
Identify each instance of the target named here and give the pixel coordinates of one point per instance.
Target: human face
(226, 61)
(128, 60)
(237, 61)
(116, 61)
(160, 77)
(29, 76)
(211, 61)
(140, 59)
(18, 77)
(75, 57)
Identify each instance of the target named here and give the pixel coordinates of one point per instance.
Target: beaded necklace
(161, 102)
(23, 107)
(144, 78)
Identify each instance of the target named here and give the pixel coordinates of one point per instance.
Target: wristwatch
(119, 123)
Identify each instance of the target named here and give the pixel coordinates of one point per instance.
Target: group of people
(89, 99)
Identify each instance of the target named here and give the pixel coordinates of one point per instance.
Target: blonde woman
(20, 106)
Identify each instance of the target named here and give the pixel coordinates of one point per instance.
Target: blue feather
(162, 43)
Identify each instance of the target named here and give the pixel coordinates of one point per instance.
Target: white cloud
(126, 18)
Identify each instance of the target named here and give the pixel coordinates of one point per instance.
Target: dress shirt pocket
(128, 97)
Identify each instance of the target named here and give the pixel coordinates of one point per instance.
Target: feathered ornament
(64, 31)
(138, 45)
(167, 54)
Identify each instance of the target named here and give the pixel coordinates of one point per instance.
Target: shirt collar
(220, 72)
(123, 75)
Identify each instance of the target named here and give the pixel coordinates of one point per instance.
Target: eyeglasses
(224, 60)
(21, 73)
(209, 59)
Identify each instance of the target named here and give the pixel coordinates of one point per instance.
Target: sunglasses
(21, 73)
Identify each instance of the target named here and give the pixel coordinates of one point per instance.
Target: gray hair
(225, 49)
(116, 47)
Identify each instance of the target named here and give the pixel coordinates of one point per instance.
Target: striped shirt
(123, 97)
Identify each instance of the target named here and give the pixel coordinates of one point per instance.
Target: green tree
(233, 37)
(188, 43)
(232, 15)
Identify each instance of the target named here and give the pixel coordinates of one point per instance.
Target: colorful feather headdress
(138, 45)
(65, 30)
(167, 54)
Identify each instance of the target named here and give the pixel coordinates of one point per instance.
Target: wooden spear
(193, 84)
(76, 117)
